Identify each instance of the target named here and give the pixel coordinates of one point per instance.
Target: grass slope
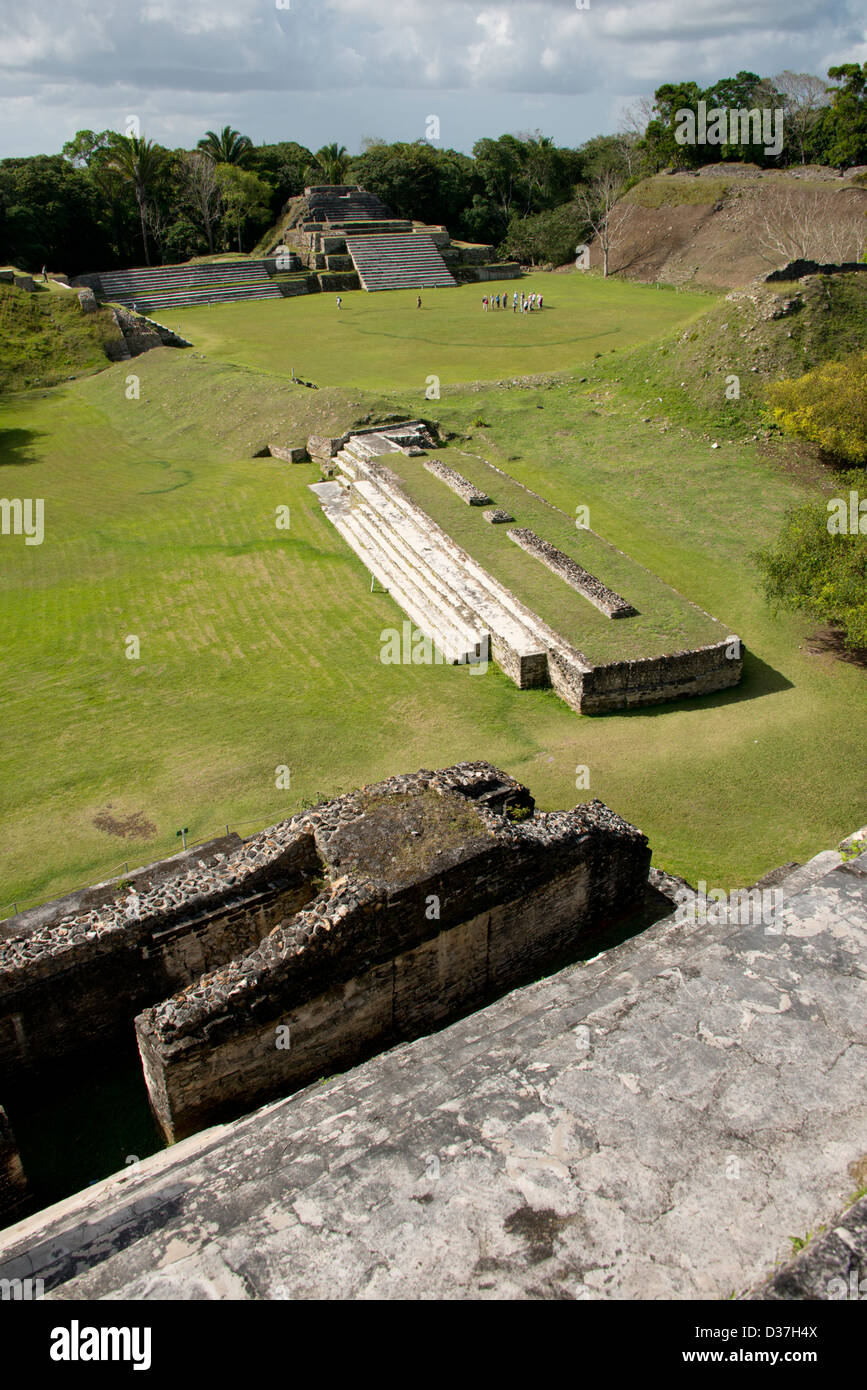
(45, 338)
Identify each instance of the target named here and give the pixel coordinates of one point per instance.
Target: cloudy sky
(323, 70)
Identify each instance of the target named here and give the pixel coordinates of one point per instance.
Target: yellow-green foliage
(827, 406)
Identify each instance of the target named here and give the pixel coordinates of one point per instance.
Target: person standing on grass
(515, 302)
(339, 302)
(540, 301)
(418, 302)
(485, 302)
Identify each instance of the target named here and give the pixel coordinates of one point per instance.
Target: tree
(82, 150)
(659, 139)
(828, 406)
(245, 197)
(138, 162)
(330, 164)
(744, 92)
(227, 147)
(598, 203)
(201, 190)
(50, 214)
(804, 97)
(819, 570)
(546, 238)
(284, 166)
(794, 224)
(848, 115)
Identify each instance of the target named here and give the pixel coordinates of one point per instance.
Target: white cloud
(201, 61)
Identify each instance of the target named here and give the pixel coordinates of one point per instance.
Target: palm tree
(138, 162)
(331, 163)
(229, 147)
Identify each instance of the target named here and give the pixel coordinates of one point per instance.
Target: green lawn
(260, 647)
(383, 342)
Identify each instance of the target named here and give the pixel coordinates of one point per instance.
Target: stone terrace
(466, 612)
(653, 1124)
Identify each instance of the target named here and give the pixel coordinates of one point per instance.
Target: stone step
(808, 874)
(406, 596)
(399, 260)
(433, 614)
(165, 287)
(445, 609)
(423, 554)
(148, 302)
(496, 608)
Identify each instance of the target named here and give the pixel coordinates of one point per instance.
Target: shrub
(828, 406)
(819, 571)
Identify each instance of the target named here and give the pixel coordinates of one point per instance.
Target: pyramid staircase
(398, 261)
(466, 613)
(174, 286)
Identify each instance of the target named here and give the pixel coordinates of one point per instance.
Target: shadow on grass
(829, 641)
(16, 447)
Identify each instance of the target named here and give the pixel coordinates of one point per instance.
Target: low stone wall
(472, 274)
(437, 903)
(83, 978)
(323, 447)
(335, 282)
(289, 453)
(291, 288)
(701, 671)
(140, 880)
(603, 598)
(464, 489)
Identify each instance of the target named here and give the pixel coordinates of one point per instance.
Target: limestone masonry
(602, 597)
(373, 918)
(465, 612)
(657, 1122)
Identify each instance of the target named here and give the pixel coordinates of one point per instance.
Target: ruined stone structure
(334, 238)
(351, 240)
(654, 1123)
(469, 615)
(371, 919)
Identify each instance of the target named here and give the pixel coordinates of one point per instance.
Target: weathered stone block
(442, 890)
(289, 453)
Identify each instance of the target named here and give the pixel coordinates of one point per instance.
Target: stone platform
(469, 615)
(654, 1124)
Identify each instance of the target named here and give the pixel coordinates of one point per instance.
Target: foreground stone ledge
(434, 902)
(653, 1123)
